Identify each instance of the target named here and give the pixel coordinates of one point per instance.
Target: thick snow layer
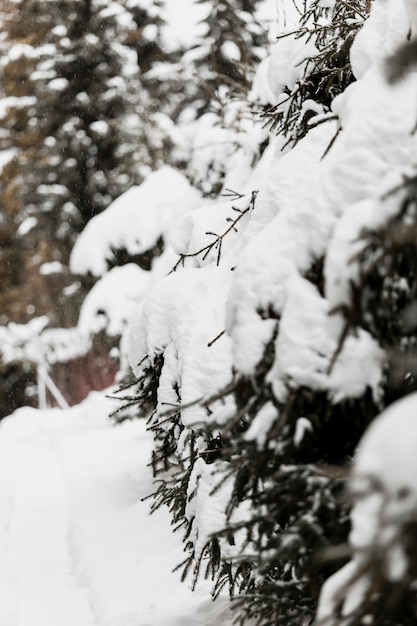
(77, 545)
(305, 348)
(288, 63)
(202, 228)
(310, 188)
(135, 221)
(386, 28)
(341, 267)
(184, 331)
(278, 251)
(387, 454)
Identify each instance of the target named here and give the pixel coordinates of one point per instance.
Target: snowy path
(40, 558)
(77, 545)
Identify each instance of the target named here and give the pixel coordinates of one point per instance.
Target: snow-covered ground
(78, 546)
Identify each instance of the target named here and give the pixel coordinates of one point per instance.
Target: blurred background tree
(77, 132)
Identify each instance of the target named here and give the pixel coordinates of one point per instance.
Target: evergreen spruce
(291, 485)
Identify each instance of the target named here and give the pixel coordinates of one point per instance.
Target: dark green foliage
(16, 380)
(142, 391)
(172, 492)
(166, 434)
(305, 516)
(295, 493)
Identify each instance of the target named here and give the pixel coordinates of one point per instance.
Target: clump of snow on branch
(305, 350)
(110, 303)
(222, 150)
(310, 190)
(134, 222)
(184, 332)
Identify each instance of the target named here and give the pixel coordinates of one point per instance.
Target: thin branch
(210, 343)
(227, 193)
(218, 239)
(339, 346)
(329, 147)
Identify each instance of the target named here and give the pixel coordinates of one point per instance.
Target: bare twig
(329, 147)
(210, 343)
(218, 239)
(339, 346)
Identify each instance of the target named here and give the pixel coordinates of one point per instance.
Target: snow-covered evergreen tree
(288, 324)
(213, 115)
